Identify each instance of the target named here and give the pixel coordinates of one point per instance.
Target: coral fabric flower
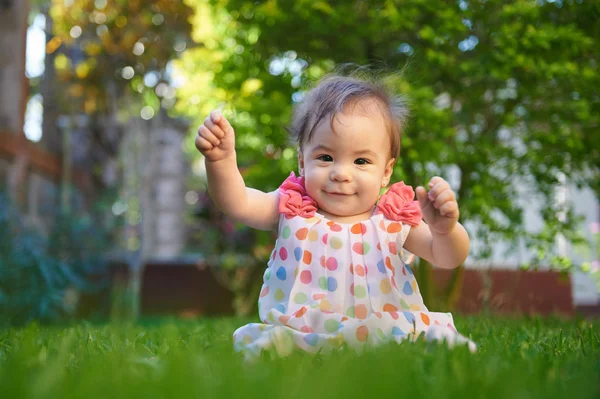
(293, 199)
(398, 204)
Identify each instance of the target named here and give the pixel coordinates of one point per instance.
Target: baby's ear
(300, 163)
(389, 169)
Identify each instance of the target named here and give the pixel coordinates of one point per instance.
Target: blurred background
(103, 204)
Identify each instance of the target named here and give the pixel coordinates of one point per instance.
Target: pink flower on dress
(398, 204)
(293, 199)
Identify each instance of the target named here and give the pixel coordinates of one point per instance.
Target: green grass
(525, 358)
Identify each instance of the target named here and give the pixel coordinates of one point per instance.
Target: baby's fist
(439, 206)
(215, 138)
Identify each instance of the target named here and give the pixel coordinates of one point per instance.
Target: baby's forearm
(226, 185)
(450, 250)
(246, 205)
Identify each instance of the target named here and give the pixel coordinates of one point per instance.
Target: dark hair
(335, 92)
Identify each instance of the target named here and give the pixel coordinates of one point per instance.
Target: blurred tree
(504, 94)
(111, 58)
(110, 69)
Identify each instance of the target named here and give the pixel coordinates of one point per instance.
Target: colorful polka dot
(281, 273)
(312, 220)
(359, 270)
(425, 318)
(336, 227)
(302, 233)
(385, 286)
(332, 325)
(305, 277)
(394, 227)
(287, 232)
(409, 317)
(397, 331)
(300, 312)
(279, 295)
(325, 237)
(408, 270)
(360, 311)
(388, 307)
(381, 266)
(300, 298)
(358, 228)
(407, 289)
(388, 263)
(307, 258)
(362, 333)
(325, 305)
(283, 254)
(350, 311)
(336, 243)
(312, 339)
(404, 304)
(318, 297)
(380, 333)
(268, 275)
(323, 282)
(280, 308)
(392, 248)
(361, 248)
(360, 291)
(264, 292)
(307, 329)
(331, 264)
(313, 235)
(332, 284)
(298, 253)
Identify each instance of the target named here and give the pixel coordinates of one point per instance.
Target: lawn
(524, 358)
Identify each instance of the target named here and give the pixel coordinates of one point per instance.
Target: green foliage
(525, 358)
(503, 94)
(105, 50)
(42, 277)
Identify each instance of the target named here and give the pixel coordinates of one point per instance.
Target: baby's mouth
(337, 194)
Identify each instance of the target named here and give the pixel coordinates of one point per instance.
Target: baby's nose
(340, 173)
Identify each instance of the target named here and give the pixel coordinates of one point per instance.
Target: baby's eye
(361, 161)
(325, 158)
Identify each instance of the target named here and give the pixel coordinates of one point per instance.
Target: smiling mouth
(338, 194)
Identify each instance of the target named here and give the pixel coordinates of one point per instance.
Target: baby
(338, 274)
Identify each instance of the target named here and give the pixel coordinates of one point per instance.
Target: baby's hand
(216, 138)
(439, 206)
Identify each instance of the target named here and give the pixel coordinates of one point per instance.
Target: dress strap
(293, 198)
(399, 204)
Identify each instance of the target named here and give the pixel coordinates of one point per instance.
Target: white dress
(328, 284)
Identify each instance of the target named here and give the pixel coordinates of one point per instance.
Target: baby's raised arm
(442, 241)
(226, 186)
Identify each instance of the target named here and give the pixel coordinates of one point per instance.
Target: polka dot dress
(328, 284)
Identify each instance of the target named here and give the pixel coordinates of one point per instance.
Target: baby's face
(345, 167)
